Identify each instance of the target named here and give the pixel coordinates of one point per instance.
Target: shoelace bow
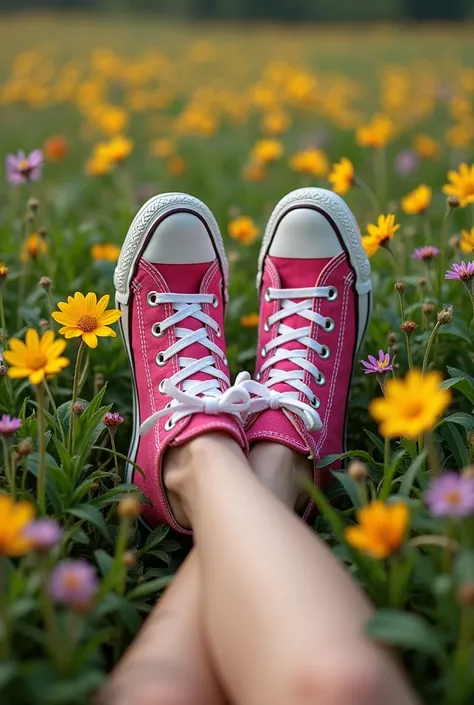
(263, 395)
(193, 396)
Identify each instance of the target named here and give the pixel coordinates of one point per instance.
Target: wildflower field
(97, 115)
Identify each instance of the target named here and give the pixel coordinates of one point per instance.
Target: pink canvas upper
(283, 426)
(203, 278)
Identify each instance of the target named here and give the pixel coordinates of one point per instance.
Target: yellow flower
(243, 229)
(411, 406)
(276, 122)
(255, 171)
(107, 252)
(112, 120)
(115, 150)
(266, 151)
(379, 235)
(467, 240)
(33, 247)
(162, 147)
(462, 184)
(426, 146)
(86, 317)
(250, 321)
(98, 165)
(342, 176)
(377, 133)
(14, 518)
(35, 358)
(176, 165)
(381, 528)
(3, 270)
(310, 161)
(460, 136)
(417, 201)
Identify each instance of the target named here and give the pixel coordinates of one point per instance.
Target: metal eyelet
(160, 359)
(169, 425)
(329, 325)
(325, 352)
(267, 296)
(218, 332)
(156, 330)
(215, 301)
(161, 388)
(332, 294)
(263, 352)
(321, 380)
(266, 326)
(224, 361)
(151, 299)
(258, 376)
(314, 402)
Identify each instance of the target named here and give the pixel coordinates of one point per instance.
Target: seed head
(129, 507)
(445, 316)
(44, 324)
(408, 327)
(428, 308)
(400, 287)
(357, 470)
(130, 559)
(3, 369)
(33, 205)
(42, 232)
(454, 241)
(392, 337)
(45, 282)
(25, 447)
(77, 408)
(453, 201)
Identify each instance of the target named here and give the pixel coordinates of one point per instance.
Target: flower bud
(44, 323)
(453, 201)
(394, 348)
(445, 316)
(422, 281)
(130, 559)
(45, 282)
(454, 241)
(29, 217)
(392, 337)
(408, 327)
(25, 447)
(357, 470)
(468, 471)
(3, 271)
(42, 232)
(428, 308)
(129, 507)
(33, 205)
(3, 369)
(465, 593)
(99, 381)
(77, 408)
(400, 287)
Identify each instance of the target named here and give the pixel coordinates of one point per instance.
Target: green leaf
(462, 419)
(350, 487)
(104, 561)
(123, 457)
(9, 670)
(456, 443)
(378, 442)
(92, 515)
(407, 631)
(457, 329)
(464, 567)
(463, 384)
(155, 538)
(455, 372)
(151, 587)
(411, 475)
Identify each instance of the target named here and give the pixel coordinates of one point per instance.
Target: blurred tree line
(280, 10)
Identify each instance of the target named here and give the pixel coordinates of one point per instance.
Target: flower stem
(370, 195)
(381, 177)
(41, 479)
(114, 449)
(6, 460)
(4, 630)
(433, 457)
(51, 309)
(428, 347)
(427, 228)
(442, 252)
(462, 657)
(75, 389)
(55, 409)
(4, 336)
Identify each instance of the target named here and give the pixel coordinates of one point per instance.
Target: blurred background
(284, 10)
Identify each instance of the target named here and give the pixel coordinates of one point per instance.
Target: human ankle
(280, 469)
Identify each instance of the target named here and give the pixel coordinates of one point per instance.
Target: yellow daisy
(342, 176)
(86, 317)
(381, 528)
(379, 235)
(310, 161)
(417, 201)
(467, 241)
(462, 184)
(35, 358)
(14, 518)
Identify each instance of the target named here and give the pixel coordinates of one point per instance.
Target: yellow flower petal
(109, 317)
(90, 339)
(37, 376)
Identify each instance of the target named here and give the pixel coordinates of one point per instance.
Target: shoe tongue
(297, 273)
(187, 280)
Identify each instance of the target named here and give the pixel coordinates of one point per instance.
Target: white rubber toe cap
(304, 233)
(181, 238)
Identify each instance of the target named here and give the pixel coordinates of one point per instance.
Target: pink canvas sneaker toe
(171, 284)
(315, 299)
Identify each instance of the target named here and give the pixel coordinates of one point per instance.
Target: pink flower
(406, 162)
(462, 272)
(451, 495)
(21, 168)
(383, 364)
(9, 425)
(43, 534)
(426, 253)
(111, 419)
(73, 583)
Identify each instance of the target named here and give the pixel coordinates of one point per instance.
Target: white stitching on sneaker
(265, 397)
(194, 396)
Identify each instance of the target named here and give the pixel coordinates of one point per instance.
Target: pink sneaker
(315, 299)
(171, 284)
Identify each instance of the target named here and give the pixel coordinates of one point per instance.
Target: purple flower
(406, 162)
(451, 495)
(73, 583)
(383, 364)
(463, 272)
(21, 168)
(43, 534)
(426, 253)
(111, 419)
(9, 425)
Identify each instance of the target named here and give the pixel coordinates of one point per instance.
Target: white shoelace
(266, 397)
(193, 395)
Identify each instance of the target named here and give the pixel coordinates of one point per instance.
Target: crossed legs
(260, 605)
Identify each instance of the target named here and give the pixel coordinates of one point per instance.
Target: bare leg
(168, 663)
(283, 618)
